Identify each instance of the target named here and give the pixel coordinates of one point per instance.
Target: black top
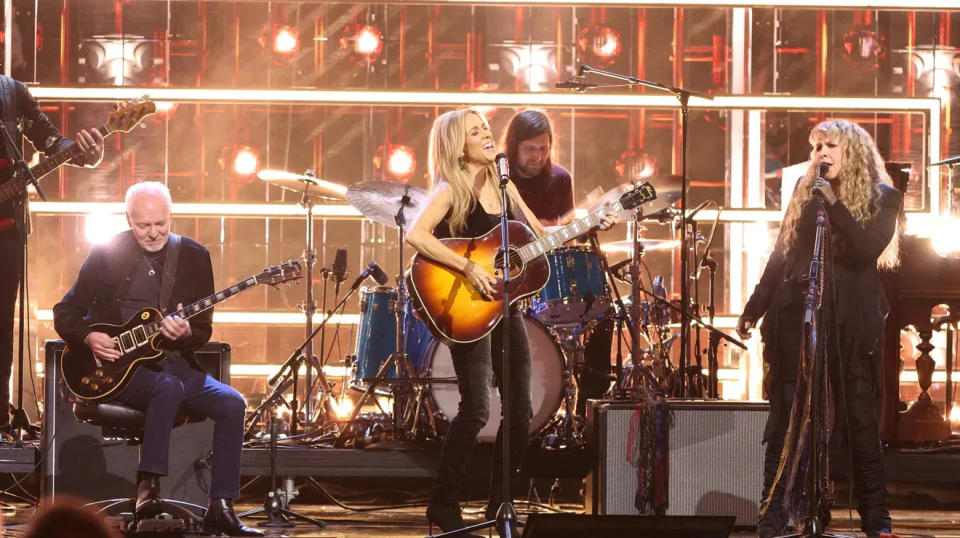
(36, 126)
(861, 304)
(94, 297)
(479, 222)
(549, 194)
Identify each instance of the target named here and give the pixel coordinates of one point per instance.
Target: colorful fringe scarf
(648, 450)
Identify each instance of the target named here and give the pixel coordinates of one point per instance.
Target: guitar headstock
(126, 116)
(278, 274)
(640, 194)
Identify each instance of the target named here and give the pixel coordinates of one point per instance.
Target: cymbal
(647, 244)
(668, 192)
(314, 187)
(380, 200)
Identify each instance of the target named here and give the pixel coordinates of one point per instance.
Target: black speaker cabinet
(587, 526)
(78, 461)
(716, 459)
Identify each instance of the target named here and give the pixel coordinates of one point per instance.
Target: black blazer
(93, 297)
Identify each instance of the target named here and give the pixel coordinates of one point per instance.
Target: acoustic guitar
(139, 339)
(455, 312)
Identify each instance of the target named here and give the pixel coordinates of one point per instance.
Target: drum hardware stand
(568, 425)
(401, 405)
(277, 508)
(683, 96)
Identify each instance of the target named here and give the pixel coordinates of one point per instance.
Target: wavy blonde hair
(448, 139)
(861, 175)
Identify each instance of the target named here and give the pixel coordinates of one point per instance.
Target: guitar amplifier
(78, 461)
(715, 459)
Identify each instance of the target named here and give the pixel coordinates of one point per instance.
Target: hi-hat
(300, 184)
(647, 244)
(951, 160)
(668, 192)
(380, 201)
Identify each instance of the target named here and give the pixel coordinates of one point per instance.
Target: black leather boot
(221, 519)
(149, 502)
(445, 515)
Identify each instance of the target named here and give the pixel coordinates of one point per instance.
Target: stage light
(946, 237)
(863, 49)
(599, 45)
(280, 41)
(240, 160)
(343, 406)
(396, 162)
(632, 166)
(364, 43)
(99, 227)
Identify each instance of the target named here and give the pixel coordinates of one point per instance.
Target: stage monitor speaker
(716, 459)
(587, 526)
(78, 461)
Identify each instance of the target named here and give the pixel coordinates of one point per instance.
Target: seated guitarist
(465, 202)
(117, 280)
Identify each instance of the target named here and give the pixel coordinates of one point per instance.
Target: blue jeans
(477, 364)
(161, 394)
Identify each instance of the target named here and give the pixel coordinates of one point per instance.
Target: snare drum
(377, 337)
(546, 377)
(577, 290)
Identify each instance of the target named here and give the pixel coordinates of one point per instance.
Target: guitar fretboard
(16, 185)
(566, 233)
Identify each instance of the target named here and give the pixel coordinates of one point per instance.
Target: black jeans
(869, 479)
(11, 265)
(477, 364)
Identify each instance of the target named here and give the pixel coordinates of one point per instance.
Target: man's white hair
(154, 188)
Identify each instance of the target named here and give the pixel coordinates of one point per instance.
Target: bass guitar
(139, 339)
(456, 312)
(123, 118)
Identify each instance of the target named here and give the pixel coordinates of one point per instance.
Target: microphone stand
(683, 96)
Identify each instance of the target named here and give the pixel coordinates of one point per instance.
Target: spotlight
(364, 43)
(100, 227)
(281, 41)
(863, 49)
(396, 161)
(946, 238)
(599, 45)
(240, 161)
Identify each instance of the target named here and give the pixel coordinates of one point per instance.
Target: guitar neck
(47, 164)
(203, 304)
(566, 233)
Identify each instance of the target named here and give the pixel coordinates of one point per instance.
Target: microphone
(340, 265)
(822, 170)
(376, 272)
(503, 167)
(697, 209)
(575, 84)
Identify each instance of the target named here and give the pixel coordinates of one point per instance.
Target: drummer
(545, 187)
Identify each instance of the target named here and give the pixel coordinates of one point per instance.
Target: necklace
(152, 271)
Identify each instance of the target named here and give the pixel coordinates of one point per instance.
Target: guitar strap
(169, 270)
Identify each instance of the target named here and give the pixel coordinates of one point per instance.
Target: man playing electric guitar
(21, 115)
(150, 267)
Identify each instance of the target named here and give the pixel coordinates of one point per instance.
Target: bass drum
(546, 381)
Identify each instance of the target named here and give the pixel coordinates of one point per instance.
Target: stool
(122, 422)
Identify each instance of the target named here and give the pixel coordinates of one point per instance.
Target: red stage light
(240, 161)
(396, 162)
(281, 41)
(364, 43)
(633, 166)
(599, 45)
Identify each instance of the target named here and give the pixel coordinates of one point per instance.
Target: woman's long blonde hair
(448, 138)
(861, 174)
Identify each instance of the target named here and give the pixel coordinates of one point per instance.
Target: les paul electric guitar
(456, 312)
(123, 118)
(139, 339)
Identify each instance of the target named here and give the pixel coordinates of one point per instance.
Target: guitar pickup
(139, 335)
(126, 342)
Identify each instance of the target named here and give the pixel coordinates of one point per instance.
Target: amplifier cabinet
(715, 459)
(76, 460)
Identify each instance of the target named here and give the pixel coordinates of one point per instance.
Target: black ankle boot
(221, 519)
(149, 501)
(445, 515)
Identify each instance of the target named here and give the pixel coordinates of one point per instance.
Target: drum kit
(395, 357)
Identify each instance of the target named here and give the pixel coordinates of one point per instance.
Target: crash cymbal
(648, 245)
(668, 192)
(380, 200)
(314, 187)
